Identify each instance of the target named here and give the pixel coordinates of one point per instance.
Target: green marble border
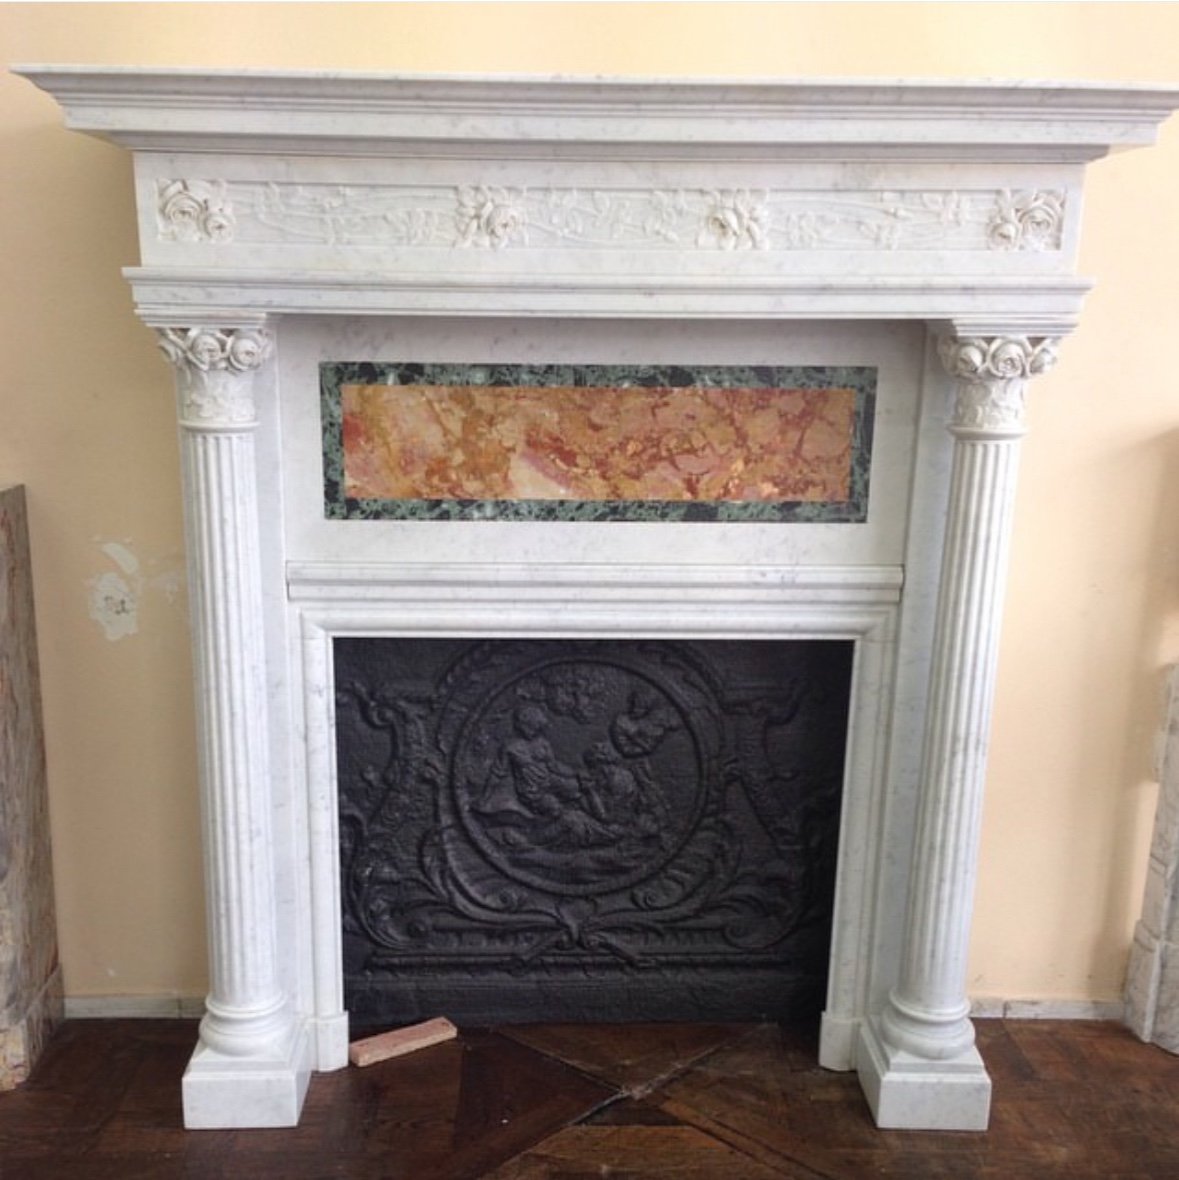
(334, 375)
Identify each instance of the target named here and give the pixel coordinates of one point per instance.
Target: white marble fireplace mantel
(928, 230)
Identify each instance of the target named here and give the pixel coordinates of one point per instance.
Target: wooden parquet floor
(562, 1102)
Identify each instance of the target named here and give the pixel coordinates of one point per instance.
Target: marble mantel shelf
(926, 229)
(324, 112)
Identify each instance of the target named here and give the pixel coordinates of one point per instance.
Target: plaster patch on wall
(115, 595)
(122, 557)
(114, 605)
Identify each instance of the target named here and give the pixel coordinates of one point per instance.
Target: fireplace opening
(588, 830)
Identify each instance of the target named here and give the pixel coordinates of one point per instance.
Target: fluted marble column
(247, 1069)
(917, 1060)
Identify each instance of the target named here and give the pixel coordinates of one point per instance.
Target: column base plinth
(330, 1037)
(837, 1042)
(262, 1090)
(918, 1094)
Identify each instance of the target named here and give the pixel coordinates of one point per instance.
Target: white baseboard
(992, 1007)
(134, 1007)
(193, 1007)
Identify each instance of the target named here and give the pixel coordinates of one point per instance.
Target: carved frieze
(498, 217)
(588, 810)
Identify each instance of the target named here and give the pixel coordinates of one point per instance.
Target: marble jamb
(336, 377)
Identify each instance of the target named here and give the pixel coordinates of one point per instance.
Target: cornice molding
(296, 112)
(1044, 306)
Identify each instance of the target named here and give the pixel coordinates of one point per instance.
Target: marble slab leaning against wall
(1152, 980)
(30, 977)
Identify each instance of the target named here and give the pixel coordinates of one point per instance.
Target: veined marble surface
(807, 222)
(30, 987)
(595, 442)
(1152, 979)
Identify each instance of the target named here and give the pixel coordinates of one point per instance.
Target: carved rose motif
(489, 217)
(206, 349)
(991, 373)
(212, 366)
(1008, 358)
(997, 357)
(218, 225)
(194, 211)
(1027, 221)
(737, 219)
(247, 350)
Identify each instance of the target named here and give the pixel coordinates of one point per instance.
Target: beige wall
(86, 423)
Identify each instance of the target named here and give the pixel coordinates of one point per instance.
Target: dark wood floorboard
(615, 1055)
(453, 1112)
(561, 1102)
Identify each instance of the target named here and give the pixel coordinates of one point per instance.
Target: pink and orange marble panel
(614, 443)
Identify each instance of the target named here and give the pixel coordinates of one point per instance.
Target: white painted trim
(193, 1007)
(134, 1007)
(994, 1008)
